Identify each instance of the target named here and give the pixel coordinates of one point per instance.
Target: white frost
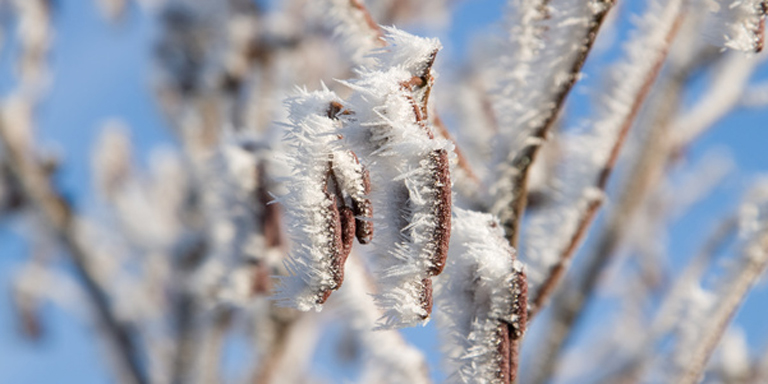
(386, 131)
(312, 138)
(475, 297)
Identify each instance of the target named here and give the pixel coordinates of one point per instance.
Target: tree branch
(522, 162)
(596, 199)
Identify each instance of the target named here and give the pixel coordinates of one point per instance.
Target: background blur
(102, 71)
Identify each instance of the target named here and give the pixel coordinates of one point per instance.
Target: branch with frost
(244, 232)
(730, 79)
(530, 101)
(208, 230)
(665, 205)
(159, 219)
(482, 301)
(571, 215)
(212, 59)
(656, 153)
(683, 312)
(675, 299)
(354, 26)
(410, 174)
(322, 224)
(729, 297)
(742, 23)
(34, 179)
(598, 151)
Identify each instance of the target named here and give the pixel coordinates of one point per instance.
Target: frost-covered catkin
(411, 185)
(481, 301)
(355, 183)
(321, 223)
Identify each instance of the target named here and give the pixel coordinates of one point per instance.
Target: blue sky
(102, 71)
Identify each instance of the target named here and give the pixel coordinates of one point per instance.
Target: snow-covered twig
(354, 26)
(530, 121)
(750, 266)
(743, 23)
(730, 79)
(633, 81)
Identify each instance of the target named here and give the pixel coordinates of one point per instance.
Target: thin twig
(741, 283)
(595, 202)
(527, 155)
(369, 21)
(632, 371)
(572, 302)
(462, 161)
(724, 94)
(656, 155)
